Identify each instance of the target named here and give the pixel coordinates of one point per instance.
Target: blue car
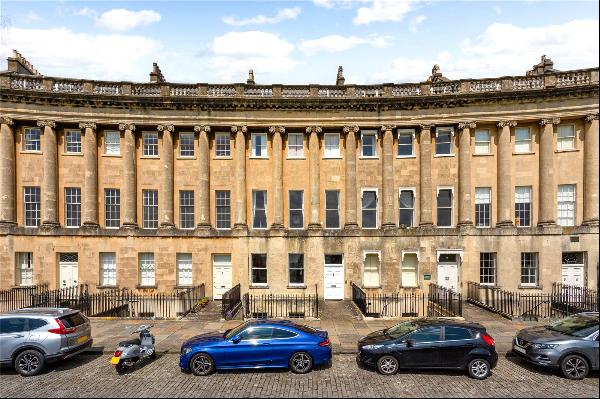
(257, 344)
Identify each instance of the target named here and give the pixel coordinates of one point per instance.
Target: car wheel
(120, 368)
(202, 364)
(301, 363)
(387, 365)
(574, 367)
(479, 369)
(29, 362)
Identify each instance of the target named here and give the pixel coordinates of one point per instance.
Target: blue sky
(298, 42)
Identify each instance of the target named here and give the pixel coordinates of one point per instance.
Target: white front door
(68, 271)
(334, 282)
(222, 275)
(572, 275)
(448, 271)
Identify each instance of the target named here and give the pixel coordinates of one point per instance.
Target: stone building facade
(292, 189)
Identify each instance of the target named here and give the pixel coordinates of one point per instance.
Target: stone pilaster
(7, 173)
(314, 176)
(129, 197)
(547, 191)
(351, 212)
(387, 165)
(277, 132)
(167, 205)
(240, 176)
(204, 169)
(50, 173)
(590, 171)
(465, 201)
(90, 182)
(426, 215)
(504, 175)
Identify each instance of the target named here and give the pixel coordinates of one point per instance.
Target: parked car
(569, 344)
(257, 344)
(32, 338)
(433, 343)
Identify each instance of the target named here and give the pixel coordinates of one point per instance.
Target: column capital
(168, 128)
(467, 125)
(276, 129)
(127, 126)
(202, 128)
(235, 129)
(426, 125)
(351, 129)
(385, 128)
(5, 120)
(588, 118)
(502, 124)
(549, 121)
(314, 129)
(87, 125)
(46, 122)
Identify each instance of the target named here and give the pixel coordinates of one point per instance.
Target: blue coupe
(257, 344)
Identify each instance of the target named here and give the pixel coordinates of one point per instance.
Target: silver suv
(569, 344)
(31, 338)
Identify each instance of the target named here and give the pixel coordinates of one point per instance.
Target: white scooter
(130, 352)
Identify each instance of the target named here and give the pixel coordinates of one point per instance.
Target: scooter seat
(135, 341)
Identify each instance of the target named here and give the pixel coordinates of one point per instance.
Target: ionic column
(50, 173)
(503, 174)
(277, 132)
(204, 169)
(351, 214)
(465, 204)
(7, 172)
(547, 197)
(240, 176)
(314, 176)
(167, 205)
(590, 171)
(426, 216)
(90, 182)
(387, 164)
(129, 199)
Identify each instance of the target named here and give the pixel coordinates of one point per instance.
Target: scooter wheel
(121, 368)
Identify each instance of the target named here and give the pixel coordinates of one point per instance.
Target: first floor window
(529, 268)
(184, 270)
(150, 209)
(487, 268)
(32, 206)
(24, 268)
(566, 205)
(482, 141)
(369, 141)
(112, 143)
(259, 269)
(407, 208)
(522, 140)
(259, 209)
(444, 207)
(186, 144)
(186, 209)
(369, 209)
(483, 200)
(31, 139)
(259, 145)
(405, 142)
(410, 264)
(565, 139)
(443, 140)
(108, 269)
(296, 209)
(296, 268)
(150, 144)
(332, 145)
(295, 145)
(112, 207)
(223, 209)
(222, 148)
(371, 270)
(73, 206)
(523, 206)
(147, 270)
(332, 209)
(73, 142)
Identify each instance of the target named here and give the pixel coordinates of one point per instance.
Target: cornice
(591, 117)
(5, 120)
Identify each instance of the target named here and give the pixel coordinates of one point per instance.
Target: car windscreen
(577, 325)
(401, 329)
(72, 320)
(235, 331)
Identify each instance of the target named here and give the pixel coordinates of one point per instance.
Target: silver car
(569, 344)
(31, 338)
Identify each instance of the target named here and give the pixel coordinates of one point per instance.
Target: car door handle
(17, 336)
(265, 343)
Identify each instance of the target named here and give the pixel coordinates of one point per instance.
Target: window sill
(255, 157)
(363, 157)
(372, 287)
(107, 287)
(523, 153)
(31, 152)
(561, 151)
(295, 158)
(146, 287)
(483, 155)
(337, 157)
(483, 227)
(216, 157)
(530, 287)
(72, 154)
(187, 158)
(444, 155)
(406, 157)
(259, 287)
(149, 157)
(296, 286)
(112, 155)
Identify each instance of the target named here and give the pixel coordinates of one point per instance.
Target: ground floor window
(259, 269)
(108, 269)
(410, 264)
(24, 269)
(147, 270)
(529, 268)
(184, 269)
(487, 268)
(296, 269)
(371, 270)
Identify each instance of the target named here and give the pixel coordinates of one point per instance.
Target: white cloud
(232, 54)
(383, 11)
(505, 49)
(282, 15)
(121, 20)
(33, 17)
(338, 3)
(338, 43)
(86, 12)
(54, 51)
(418, 20)
(498, 10)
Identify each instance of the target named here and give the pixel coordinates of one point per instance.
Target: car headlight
(372, 347)
(544, 346)
(185, 351)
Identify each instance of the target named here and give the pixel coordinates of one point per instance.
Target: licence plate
(520, 350)
(114, 360)
(82, 339)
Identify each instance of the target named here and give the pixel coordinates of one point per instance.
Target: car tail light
(61, 330)
(118, 353)
(325, 343)
(488, 340)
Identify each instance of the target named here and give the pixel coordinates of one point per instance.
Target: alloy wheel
(575, 368)
(202, 364)
(479, 369)
(29, 363)
(388, 365)
(301, 362)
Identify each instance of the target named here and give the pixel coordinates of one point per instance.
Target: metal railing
(443, 301)
(19, 297)
(287, 306)
(231, 302)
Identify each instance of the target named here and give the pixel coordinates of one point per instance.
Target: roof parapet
(156, 75)
(19, 64)
(544, 67)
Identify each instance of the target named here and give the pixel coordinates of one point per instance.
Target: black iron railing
(287, 306)
(19, 297)
(573, 299)
(231, 302)
(443, 301)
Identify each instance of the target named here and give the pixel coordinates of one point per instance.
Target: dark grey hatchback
(430, 343)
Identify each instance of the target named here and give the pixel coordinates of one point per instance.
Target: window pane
(150, 209)
(371, 271)
(334, 259)
(150, 140)
(566, 137)
(223, 211)
(186, 209)
(259, 145)
(296, 209)
(482, 206)
(487, 268)
(32, 206)
(296, 268)
(529, 266)
(32, 139)
(522, 140)
(443, 142)
(186, 144)
(25, 268)
(457, 333)
(73, 206)
(332, 145)
(368, 145)
(332, 213)
(260, 210)
(259, 268)
(410, 264)
(112, 207)
(223, 144)
(523, 206)
(405, 143)
(428, 334)
(112, 145)
(295, 145)
(482, 142)
(147, 269)
(184, 269)
(444, 208)
(369, 209)
(73, 141)
(566, 205)
(108, 269)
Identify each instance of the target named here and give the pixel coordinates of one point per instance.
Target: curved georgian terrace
(296, 188)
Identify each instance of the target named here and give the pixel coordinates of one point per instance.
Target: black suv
(430, 343)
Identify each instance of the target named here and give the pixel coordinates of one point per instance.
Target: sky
(298, 42)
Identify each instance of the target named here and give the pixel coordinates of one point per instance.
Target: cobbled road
(92, 376)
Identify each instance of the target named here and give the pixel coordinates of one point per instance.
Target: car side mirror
(236, 340)
(410, 343)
